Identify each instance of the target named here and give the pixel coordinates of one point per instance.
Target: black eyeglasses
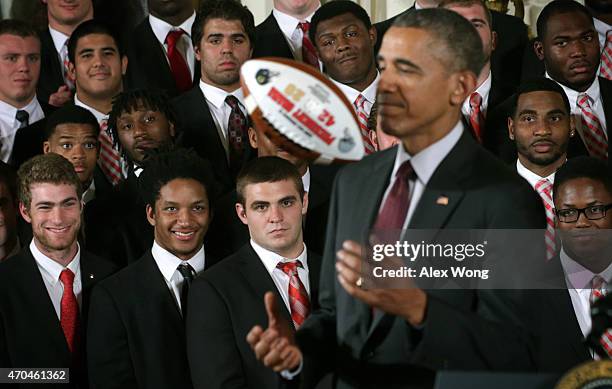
(571, 215)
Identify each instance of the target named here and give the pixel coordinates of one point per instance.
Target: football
(301, 110)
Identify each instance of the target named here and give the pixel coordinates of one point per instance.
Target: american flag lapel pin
(442, 200)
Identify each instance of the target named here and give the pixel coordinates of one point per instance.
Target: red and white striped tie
(544, 189)
(598, 290)
(68, 80)
(110, 158)
(605, 69)
(593, 133)
(477, 120)
(362, 117)
(298, 297)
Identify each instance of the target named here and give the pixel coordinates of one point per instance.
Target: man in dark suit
(55, 86)
(512, 38)
(284, 33)
(136, 332)
(272, 202)
(47, 285)
(160, 50)
(212, 115)
(438, 178)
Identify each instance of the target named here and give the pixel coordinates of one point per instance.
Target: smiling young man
(212, 115)
(136, 338)
(272, 203)
(45, 288)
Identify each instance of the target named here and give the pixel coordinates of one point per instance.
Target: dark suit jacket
(136, 332)
(50, 68)
(30, 332)
(270, 41)
(338, 336)
(506, 60)
(148, 65)
(228, 302)
(200, 133)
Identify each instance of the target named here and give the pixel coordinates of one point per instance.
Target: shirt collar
(59, 39)
(54, 269)
(572, 95)
(99, 115)
(306, 180)
(161, 28)
(216, 96)
(351, 93)
(288, 23)
(168, 262)
(270, 259)
(10, 112)
(530, 176)
(427, 160)
(602, 29)
(578, 276)
(483, 90)
(90, 192)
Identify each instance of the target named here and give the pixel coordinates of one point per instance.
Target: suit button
(370, 355)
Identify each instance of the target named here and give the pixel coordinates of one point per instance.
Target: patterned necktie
(110, 158)
(298, 297)
(23, 117)
(362, 117)
(188, 273)
(178, 65)
(237, 134)
(395, 208)
(606, 58)
(309, 53)
(593, 132)
(476, 116)
(598, 290)
(544, 189)
(69, 312)
(68, 80)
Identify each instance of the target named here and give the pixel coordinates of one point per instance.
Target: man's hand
(61, 97)
(409, 303)
(275, 347)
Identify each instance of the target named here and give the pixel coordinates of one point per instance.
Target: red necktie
(309, 53)
(237, 133)
(69, 313)
(395, 208)
(598, 287)
(544, 189)
(476, 116)
(606, 58)
(363, 124)
(298, 297)
(593, 133)
(180, 70)
(110, 158)
(68, 80)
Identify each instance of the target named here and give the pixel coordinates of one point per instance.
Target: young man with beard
(44, 292)
(136, 336)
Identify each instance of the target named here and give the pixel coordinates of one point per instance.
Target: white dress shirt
(578, 279)
(168, 266)
(483, 90)
(270, 260)
(161, 29)
(424, 164)
(59, 40)
(100, 117)
(292, 32)
(530, 176)
(50, 272)
(594, 93)
(215, 98)
(9, 124)
(306, 180)
(602, 29)
(368, 93)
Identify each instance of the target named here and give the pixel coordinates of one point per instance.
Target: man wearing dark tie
(227, 301)
(45, 290)
(285, 33)
(136, 336)
(212, 115)
(437, 178)
(160, 50)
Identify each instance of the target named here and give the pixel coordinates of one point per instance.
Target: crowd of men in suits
(152, 236)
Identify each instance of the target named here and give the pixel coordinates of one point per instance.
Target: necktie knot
(232, 101)
(598, 288)
(304, 26)
(173, 37)
(289, 268)
(67, 278)
(543, 186)
(584, 100)
(22, 117)
(405, 171)
(475, 100)
(186, 271)
(360, 101)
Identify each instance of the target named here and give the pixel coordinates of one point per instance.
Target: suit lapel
(605, 87)
(274, 39)
(563, 311)
(209, 133)
(155, 56)
(314, 269)
(153, 282)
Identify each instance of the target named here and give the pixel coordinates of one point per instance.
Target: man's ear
(373, 36)
(46, 147)
(538, 48)
(25, 213)
(463, 84)
(171, 129)
(510, 128)
(241, 212)
(572, 126)
(150, 215)
(124, 64)
(253, 137)
(72, 70)
(305, 204)
(493, 40)
(196, 51)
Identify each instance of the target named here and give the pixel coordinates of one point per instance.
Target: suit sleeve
(108, 354)
(214, 358)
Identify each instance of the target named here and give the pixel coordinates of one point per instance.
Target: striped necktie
(299, 303)
(544, 189)
(110, 158)
(598, 290)
(606, 58)
(362, 117)
(593, 133)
